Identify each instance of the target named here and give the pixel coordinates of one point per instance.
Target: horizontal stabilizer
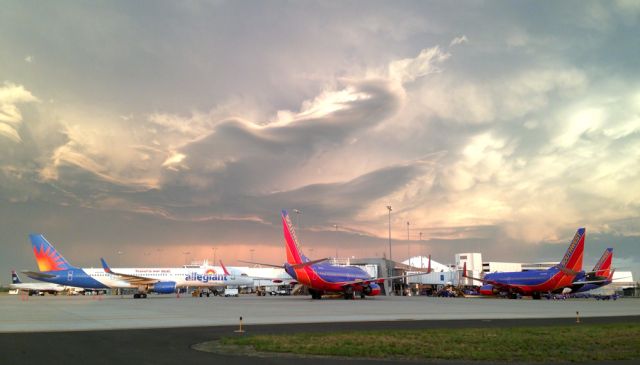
(262, 264)
(567, 271)
(38, 275)
(309, 263)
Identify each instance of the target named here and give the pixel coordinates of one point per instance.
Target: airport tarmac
(69, 313)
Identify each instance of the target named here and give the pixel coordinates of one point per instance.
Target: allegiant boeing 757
(56, 269)
(536, 282)
(321, 277)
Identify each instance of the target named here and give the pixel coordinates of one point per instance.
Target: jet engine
(164, 287)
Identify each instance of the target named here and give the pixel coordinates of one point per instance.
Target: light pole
(390, 257)
(408, 244)
(337, 244)
(186, 253)
(298, 212)
(251, 250)
(421, 256)
(214, 254)
(389, 208)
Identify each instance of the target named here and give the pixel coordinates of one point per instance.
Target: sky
(153, 133)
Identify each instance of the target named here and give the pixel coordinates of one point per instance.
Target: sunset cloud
(195, 124)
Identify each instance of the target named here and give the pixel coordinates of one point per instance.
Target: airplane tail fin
(429, 265)
(294, 256)
(603, 267)
(572, 260)
(47, 257)
(14, 277)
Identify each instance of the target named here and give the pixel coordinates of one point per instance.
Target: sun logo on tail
(48, 259)
(210, 272)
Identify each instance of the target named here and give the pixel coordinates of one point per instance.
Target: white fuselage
(183, 277)
(44, 287)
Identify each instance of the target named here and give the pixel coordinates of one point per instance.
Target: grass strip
(576, 343)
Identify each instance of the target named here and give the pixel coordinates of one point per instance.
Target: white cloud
(459, 40)
(410, 69)
(10, 115)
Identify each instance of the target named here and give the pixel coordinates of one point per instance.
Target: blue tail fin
(47, 257)
(14, 277)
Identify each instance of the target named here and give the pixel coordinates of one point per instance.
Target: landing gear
(139, 295)
(536, 295)
(348, 293)
(315, 294)
(362, 295)
(513, 295)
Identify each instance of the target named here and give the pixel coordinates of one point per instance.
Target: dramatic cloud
(201, 121)
(11, 95)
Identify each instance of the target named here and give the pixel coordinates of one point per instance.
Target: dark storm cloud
(168, 121)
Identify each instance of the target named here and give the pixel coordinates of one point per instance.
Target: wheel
(144, 296)
(536, 295)
(363, 295)
(136, 296)
(348, 293)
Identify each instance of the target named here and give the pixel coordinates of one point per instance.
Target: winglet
(106, 267)
(464, 270)
(224, 268)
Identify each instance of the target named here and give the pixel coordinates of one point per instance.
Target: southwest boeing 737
(600, 276)
(56, 269)
(536, 282)
(321, 277)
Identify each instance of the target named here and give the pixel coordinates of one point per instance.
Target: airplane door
(70, 275)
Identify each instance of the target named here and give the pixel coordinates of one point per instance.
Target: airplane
(601, 275)
(34, 288)
(54, 268)
(534, 283)
(321, 277)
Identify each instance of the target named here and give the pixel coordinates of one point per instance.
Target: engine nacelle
(164, 287)
(488, 289)
(371, 289)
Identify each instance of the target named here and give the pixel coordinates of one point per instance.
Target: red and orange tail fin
(47, 257)
(429, 266)
(572, 259)
(603, 267)
(294, 256)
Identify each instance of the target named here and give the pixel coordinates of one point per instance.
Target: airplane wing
(132, 279)
(378, 280)
(296, 266)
